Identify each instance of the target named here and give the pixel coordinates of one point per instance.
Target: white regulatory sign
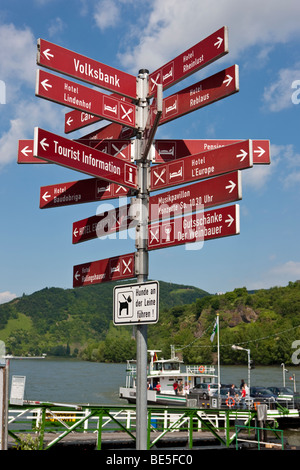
(136, 303)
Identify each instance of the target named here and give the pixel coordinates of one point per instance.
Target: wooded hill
(78, 323)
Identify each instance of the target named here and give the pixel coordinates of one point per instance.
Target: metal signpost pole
(142, 270)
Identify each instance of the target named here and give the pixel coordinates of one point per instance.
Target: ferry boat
(162, 375)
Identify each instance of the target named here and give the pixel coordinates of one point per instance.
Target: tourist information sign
(203, 53)
(168, 150)
(136, 303)
(83, 68)
(74, 95)
(203, 165)
(105, 270)
(196, 227)
(79, 157)
(117, 148)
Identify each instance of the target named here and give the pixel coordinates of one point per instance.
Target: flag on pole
(215, 329)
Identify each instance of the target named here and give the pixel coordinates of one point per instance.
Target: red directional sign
(78, 192)
(75, 119)
(67, 93)
(97, 226)
(202, 165)
(25, 152)
(205, 92)
(205, 52)
(111, 131)
(83, 68)
(195, 228)
(110, 269)
(117, 148)
(168, 150)
(79, 157)
(216, 191)
(184, 200)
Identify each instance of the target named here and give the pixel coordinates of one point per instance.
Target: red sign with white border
(202, 165)
(75, 65)
(197, 227)
(75, 119)
(194, 197)
(201, 94)
(79, 157)
(25, 152)
(71, 94)
(168, 150)
(105, 270)
(79, 192)
(201, 54)
(97, 226)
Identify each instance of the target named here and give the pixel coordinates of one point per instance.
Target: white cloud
(175, 26)
(283, 158)
(279, 275)
(106, 14)
(279, 95)
(6, 297)
(290, 268)
(27, 115)
(17, 58)
(57, 26)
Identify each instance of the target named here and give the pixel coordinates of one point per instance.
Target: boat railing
(200, 369)
(131, 367)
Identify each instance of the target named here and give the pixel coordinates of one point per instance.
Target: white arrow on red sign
(203, 53)
(201, 94)
(204, 165)
(105, 270)
(25, 152)
(195, 197)
(75, 119)
(73, 95)
(79, 157)
(96, 226)
(79, 192)
(168, 150)
(83, 68)
(193, 228)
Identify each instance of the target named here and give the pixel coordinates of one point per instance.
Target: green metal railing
(51, 420)
(260, 434)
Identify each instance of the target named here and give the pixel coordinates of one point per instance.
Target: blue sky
(36, 248)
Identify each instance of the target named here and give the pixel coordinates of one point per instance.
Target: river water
(80, 382)
(72, 381)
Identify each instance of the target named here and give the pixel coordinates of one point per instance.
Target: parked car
(204, 390)
(284, 393)
(262, 394)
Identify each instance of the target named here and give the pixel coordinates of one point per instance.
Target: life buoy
(230, 401)
(201, 369)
